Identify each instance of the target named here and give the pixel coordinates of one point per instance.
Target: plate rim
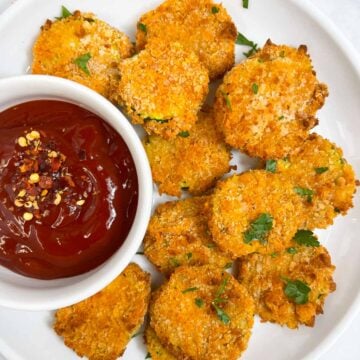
(351, 55)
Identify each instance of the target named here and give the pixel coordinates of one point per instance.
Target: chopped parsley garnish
(227, 100)
(291, 250)
(245, 4)
(228, 265)
(297, 290)
(210, 245)
(191, 289)
(282, 117)
(199, 302)
(184, 134)
(148, 356)
(161, 121)
(259, 229)
(337, 210)
(255, 88)
(321, 170)
(274, 255)
(142, 27)
(306, 237)
(218, 299)
(271, 166)
(304, 192)
(214, 10)
(189, 256)
(242, 40)
(174, 262)
(82, 62)
(64, 13)
(222, 315)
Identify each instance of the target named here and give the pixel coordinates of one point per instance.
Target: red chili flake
(69, 180)
(45, 182)
(55, 165)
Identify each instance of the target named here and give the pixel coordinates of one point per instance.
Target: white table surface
(345, 14)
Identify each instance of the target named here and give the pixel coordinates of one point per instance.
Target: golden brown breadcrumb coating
(265, 276)
(156, 350)
(192, 161)
(201, 26)
(240, 201)
(162, 88)
(202, 313)
(178, 234)
(62, 42)
(318, 165)
(101, 326)
(267, 104)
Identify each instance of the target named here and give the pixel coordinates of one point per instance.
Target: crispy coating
(263, 276)
(319, 165)
(193, 161)
(201, 26)
(241, 199)
(163, 88)
(63, 41)
(184, 318)
(178, 234)
(101, 326)
(267, 104)
(154, 346)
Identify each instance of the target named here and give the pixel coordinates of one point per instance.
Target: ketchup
(68, 189)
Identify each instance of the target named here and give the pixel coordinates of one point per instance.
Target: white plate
(26, 335)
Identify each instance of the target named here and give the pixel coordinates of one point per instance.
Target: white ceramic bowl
(20, 292)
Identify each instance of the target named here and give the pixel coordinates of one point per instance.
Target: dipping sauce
(68, 189)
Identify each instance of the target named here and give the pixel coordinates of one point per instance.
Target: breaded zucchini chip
(192, 161)
(81, 48)
(201, 26)
(323, 178)
(162, 88)
(178, 234)
(154, 346)
(256, 211)
(202, 313)
(289, 288)
(101, 326)
(267, 104)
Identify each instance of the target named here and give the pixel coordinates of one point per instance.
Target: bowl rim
(38, 295)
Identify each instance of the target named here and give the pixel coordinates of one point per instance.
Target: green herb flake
(174, 262)
(227, 100)
(245, 4)
(90, 20)
(337, 210)
(222, 315)
(259, 229)
(161, 121)
(64, 13)
(274, 255)
(255, 88)
(148, 356)
(304, 192)
(282, 117)
(221, 289)
(191, 289)
(242, 40)
(282, 53)
(139, 253)
(211, 246)
(306, 237)
(228, 265)
(321, 170)
(199, 302)
(82, 62)
(297, 290)
(142, 27)
(189, 256)
(214, 9)
(184, 134)
(291, 250)
(271, 166)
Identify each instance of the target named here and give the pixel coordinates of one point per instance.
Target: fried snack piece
(81, 48)
(178, 234)
(193, 160)
(266, 277)
(267, 104)
(154, 346)
(162, 88)
(101, 326)
(201, 26)
(319, 167)
(254, 211)
(202, 313)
